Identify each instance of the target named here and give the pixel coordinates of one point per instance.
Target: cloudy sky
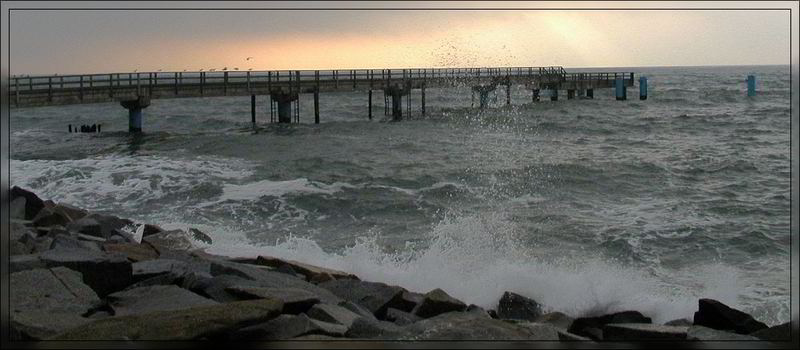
(93, 41)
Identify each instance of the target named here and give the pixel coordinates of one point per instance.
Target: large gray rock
(17, 263)
(679, 322)
(206, 322)
(33, 204)
(17, 209)
(45, 302)
(472, 326)
(154, 298)
(150, 229)
(716, 315)
(401, 318)
(567, 336)
(556, 319)
(437, 302)
(294, 300)
(372, 328)
(409, 300)
(592, 327)
(333, 314)
(170, 240)
(266, 278)
(517, 307)
(62, 241)
(86, 225)
(708, 334)
(150, 268)
(782, 332)
(73, 213)
(105, 273)
(20, 232)
(200, 236)
(357, 309)
(50, 217)
(309, 271)
(286, 327)
(643, 331)
(375, 297)
(132, 251)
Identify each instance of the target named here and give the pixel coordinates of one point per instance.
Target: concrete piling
(369, 105)
(134, 108)
(284, 101)
(554, 95)
(535, 97)
(590, 93)
(642, 88)
(751, 85)
(423, 100)
(570, 94)
(316, 106)
(253, 109)
(483, 94)
(620, 89)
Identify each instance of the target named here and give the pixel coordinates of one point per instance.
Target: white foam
(264, 188)
(477, 258)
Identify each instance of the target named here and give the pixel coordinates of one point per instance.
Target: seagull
(135, 70)
(249, 68)
(212, 69)
(235, 68)
(226, 68)
(201, 69)
(248, 58)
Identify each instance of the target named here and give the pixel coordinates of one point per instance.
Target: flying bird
(248, 58)
(226, 68)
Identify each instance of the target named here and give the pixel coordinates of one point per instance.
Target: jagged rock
(19, 248)
(33, 204)
(332, 314)
(556, 319)
(592, 326)
(472, 326)
(68, 242)
(679, 322)
(286, 269)
(364, 327)
(437, 302)
(477, 309)
(567, 336)
(267, 278)
(209, 322)
(150, 268)
(17, 263)
(322, 277)
(409, 300)
(164, 279)
(171, 240)
(150, 229)
(86, 225)
(17, 209)
(643, 331)
(105, 273)
(401, 318)
(515, 306)
(200, 236)
(41, 244)
(286, 327)
(782, 332)
(132, 251)
(357, 309)
(154, 298)
(708, 334)
(375, 297)
(294, 300)
(73, 213)
(19, 232)
(109, 224)
(716, 315)
(45, 302)
(317, 337)
(50, 217)
(309, 271)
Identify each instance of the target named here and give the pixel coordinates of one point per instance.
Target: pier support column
(134, 108)
(570, 94)
(553, 94)
(316, 106)
(397, 93)
(284, 100)
(508, 94)
(483, 91)
(581, 93)
(620, 89)
(590, 93)
(751, 85)
(642, 88)
(253, 109)
(423, 99)
(535, 95)
(369, 105)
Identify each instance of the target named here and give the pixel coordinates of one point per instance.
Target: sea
(588, 206)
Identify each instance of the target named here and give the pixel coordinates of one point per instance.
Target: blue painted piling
(619, 87)
(642, 88)
(751, 85)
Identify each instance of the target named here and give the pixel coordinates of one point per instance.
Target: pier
(135, 91)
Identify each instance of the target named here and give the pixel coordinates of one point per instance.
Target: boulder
(105, 273)
(357, 309)
(18, 248)
(373, 328)
(477, 309)
(437, 302)
(109, 224)
(556, 319)
(375, 297)
(164, 279)
(716, 315)
(206, 322)
(19, 232)
(62, 241)
(200, 236)
(45, 302)
(679, 322)
(17, 209)
(150, 229)
(73, 213)
(322, 277)
(592, 326)
(267, 278)
(567, 336)
(132, 251)
(50, 217)
(409, 300)
(33, 204)
(472, 326)
(782, 332)
(170, 240)
(41, 244)
(333, 314)
(401, 318)
(150, 268)
(86, 225)
(17, 263)
(286, 327)
(309, 271)
(154, 298)
(708, 334)
(643, 331)
(294, 300)
(517, 307)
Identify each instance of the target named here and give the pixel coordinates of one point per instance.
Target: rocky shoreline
(76, 275)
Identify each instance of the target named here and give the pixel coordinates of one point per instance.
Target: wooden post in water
(369, 105)
(423, 99)
(316, 106)
(253, 109)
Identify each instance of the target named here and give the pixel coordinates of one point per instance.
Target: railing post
(202, 82)
(176, 83)
(225, 83)
(80, 91)
(50, 89)
(248, 83)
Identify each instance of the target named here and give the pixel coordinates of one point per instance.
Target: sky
(106, 41)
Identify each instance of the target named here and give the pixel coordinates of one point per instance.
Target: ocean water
(587, 206)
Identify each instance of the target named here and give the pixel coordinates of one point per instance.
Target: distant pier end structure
(135, 91)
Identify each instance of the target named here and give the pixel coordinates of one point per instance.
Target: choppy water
(584, 205)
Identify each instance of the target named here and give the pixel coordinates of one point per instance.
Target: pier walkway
(134, 91)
